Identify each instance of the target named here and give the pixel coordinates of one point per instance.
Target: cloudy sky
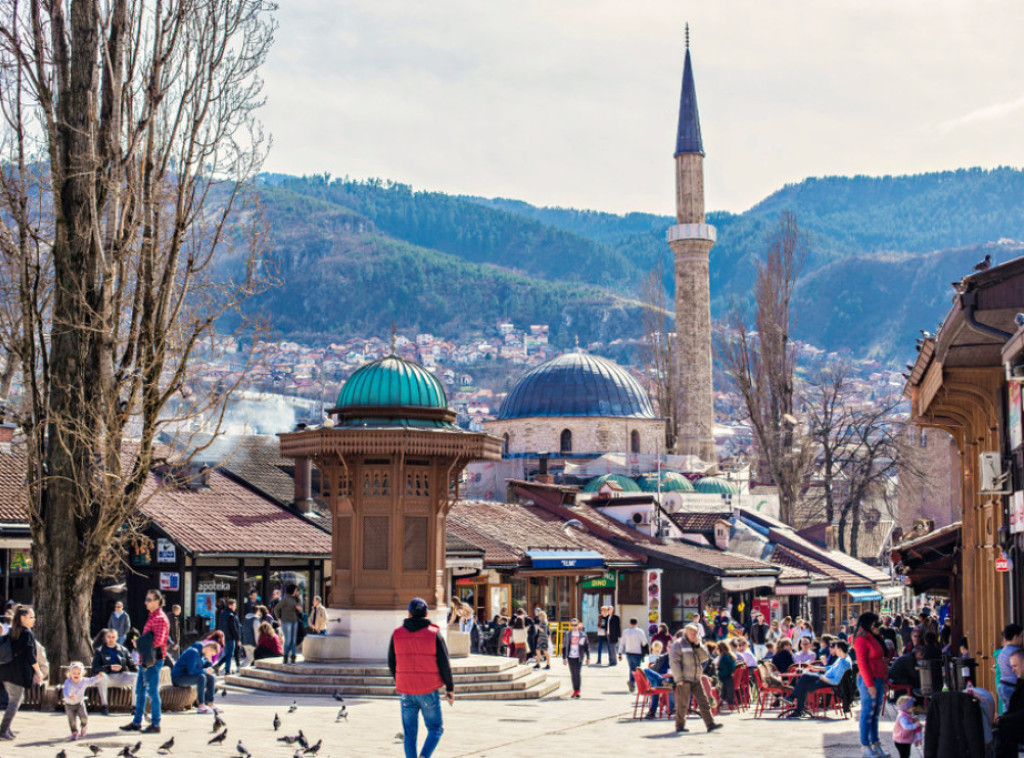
(574, 102)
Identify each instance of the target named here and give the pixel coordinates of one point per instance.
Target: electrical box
(992, 479)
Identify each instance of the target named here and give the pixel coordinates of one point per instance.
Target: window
(375, 543)
(565, 445)
(634, 441)
(504, 445)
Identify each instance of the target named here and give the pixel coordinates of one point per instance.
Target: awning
(790, 589)
(864, 595)
(818, 592)
(454, 562)
(744, 583)
(562, 559)
(890, 592)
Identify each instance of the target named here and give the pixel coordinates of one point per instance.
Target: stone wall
(590, 434)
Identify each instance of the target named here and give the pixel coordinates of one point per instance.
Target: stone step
(532, 687)
(382, 678)
(477, 665)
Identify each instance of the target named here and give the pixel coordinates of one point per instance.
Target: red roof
(230, 518)
(13, 485)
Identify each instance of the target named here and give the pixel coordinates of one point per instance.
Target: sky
(574, 103)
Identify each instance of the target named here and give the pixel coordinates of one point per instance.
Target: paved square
(598, 724)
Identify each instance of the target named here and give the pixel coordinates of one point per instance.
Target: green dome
(670, 482)
(627, 484)
(391, 383)
(713, 485)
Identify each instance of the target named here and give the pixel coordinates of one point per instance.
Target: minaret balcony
(692, 232)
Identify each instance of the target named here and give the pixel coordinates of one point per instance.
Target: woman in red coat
(871, 663)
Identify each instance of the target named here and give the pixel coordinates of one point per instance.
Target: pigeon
(126, 752)
(277, 722)
(62, 754)
(223, 692)
(338, 697)
(342, 714)
(288, 739)
(984, 265)
(95, 749)
(298, 754)
(219, 738)
(315, 748)
(218, 723)
(293, 707)
(399, 736)
(301, 739)
(241, 749)
(167, 746)
(138, 746)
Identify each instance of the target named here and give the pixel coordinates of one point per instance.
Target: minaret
(691, 241)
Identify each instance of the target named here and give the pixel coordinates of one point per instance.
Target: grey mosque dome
(577, 384)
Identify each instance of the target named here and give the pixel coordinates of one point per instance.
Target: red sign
(1002, 564)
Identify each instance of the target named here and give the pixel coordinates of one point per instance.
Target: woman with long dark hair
(22, 671)
(871, 662)
(147, 684)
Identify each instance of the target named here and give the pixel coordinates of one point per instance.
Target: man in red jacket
(418, 659)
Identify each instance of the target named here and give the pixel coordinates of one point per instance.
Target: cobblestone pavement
(598, 724)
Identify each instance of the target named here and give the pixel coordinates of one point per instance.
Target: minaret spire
(691, 240)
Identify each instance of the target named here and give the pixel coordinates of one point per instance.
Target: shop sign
(654, 596)
(1002, 563)
(1017, 513)
(206, 604)
(21, 561)
(1014, 421)
(165, 552)
(604, 582)
(214, 586)
(169, 581)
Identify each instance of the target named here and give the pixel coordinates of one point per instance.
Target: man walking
(614, 634)
(632, 644)
(120, 622)
(758, 635)
(418, 659)
(229, 624)
(686, 658)
(602, 634)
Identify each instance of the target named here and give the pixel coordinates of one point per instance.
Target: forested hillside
(883, 251)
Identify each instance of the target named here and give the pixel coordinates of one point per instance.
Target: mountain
(882, 253)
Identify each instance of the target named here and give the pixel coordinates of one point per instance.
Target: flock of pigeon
(300, 742)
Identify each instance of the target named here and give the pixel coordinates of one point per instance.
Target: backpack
(6, 650)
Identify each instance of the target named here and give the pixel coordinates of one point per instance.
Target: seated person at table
(116, 662)
(268, 643)
(904, 669)
(783, 658)
(726, 665)
(657, 673)
(770, 677)
(818, 678)
(743, 652)
(806, 654)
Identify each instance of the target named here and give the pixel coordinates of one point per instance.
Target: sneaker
(215, 709)
(632, 687)
(105, 710)
(682, 729)
(548, 667)
(132, 727)
(202, 709)
(74, 736)
(713, 726)
(151, 729)
(879, 751)
(650, 716)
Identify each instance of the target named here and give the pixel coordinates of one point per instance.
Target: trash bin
(931, 676)
(964, 671)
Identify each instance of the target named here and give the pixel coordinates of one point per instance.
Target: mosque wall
(590, 434)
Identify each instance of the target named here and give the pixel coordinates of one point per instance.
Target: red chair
(894, 689)
(646, 691)
(820, 702)
(768, 698)
(741, 686)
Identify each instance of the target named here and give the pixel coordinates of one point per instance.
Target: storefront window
(519, 599)
(214, 587)
(279, 579)
(253, 581)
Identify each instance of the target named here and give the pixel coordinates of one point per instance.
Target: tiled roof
(13, 485)
(517, 528)
(698, 522)
(230, 518)
(719, 561)
(785, 556)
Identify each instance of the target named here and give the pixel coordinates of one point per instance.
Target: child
(906, 730)
(74, 697)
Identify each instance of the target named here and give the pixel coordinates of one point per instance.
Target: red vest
(416, 661)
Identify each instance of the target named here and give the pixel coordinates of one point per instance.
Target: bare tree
(761, 363)
(129, 140)
(658, 349)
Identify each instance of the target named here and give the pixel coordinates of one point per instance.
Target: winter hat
(418, 608)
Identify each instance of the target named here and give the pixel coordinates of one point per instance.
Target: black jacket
(444, 666)
(103, 658)
(953, 728)
(19, 669)
(1014, 716)
(904, 671)
(614, 628)
(758, 633)
(228, 623)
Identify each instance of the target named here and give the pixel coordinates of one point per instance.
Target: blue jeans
(203, 683)
(602, 642)
(227, 656)
(870, 710)
(430, 706)
(290, 629)
(805, 685)
(633, 660)
(657, 680)
(148, 684)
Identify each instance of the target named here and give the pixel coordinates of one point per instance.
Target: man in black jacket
(904, 669)
(228, 623)
(116, 663)
(614, 634)
(1011, 723)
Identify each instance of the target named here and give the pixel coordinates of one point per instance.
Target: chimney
(542, 475)
(722, 529)
(6, 436)
(303, 479)
(832, 537)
